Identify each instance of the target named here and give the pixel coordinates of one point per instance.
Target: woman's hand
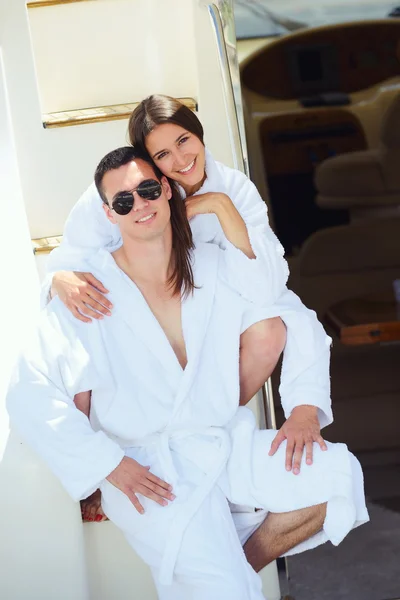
(82, 294)
(232, 224)
(203, 204)
(301, 429)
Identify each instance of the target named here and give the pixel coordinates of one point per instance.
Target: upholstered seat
(345, 262)
(365, 180)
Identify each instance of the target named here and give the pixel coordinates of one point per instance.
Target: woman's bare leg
(260, 348)
(82, 402)
(91, 508)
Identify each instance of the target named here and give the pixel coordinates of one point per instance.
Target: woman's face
(179, 154)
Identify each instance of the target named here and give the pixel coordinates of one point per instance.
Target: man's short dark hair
(116, 159)
(181, 279)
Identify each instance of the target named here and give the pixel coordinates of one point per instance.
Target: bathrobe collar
(196, 312)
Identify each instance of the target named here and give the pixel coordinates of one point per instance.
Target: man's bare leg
(260, 348)
(282, 531)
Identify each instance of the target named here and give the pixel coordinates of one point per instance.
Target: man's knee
(265, 339)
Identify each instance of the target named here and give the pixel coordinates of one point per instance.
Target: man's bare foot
(91, 508)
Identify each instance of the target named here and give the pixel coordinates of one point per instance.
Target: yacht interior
(321, 95)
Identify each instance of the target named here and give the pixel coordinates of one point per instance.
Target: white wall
(112, 52)
(35, 513)
(19, 282)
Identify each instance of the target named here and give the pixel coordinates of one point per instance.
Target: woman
(226, 209)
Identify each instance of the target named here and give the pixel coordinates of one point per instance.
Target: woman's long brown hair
(158, 110)
(155, 110)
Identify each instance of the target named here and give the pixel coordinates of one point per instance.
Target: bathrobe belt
(179, 523)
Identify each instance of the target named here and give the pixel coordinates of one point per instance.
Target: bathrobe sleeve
(86, 230)
(263, 278)
(53, 368)
(305, 377)
(311, 387)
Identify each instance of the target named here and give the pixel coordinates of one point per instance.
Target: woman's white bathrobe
(262, 281)
(185, 424)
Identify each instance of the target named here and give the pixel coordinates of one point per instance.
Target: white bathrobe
(305, 368)
(185, 424)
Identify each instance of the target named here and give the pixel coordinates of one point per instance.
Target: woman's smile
(189, 169)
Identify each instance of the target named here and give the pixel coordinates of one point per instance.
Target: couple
(167, 442)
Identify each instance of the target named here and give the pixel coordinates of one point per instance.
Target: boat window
(268, 18)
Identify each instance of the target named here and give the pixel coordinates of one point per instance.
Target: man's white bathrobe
(262, 281)
(185, 424)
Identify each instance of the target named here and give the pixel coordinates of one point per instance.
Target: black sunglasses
(149, 189)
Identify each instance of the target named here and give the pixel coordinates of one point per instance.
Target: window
(267, 18)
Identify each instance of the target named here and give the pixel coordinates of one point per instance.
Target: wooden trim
(99, 114)
(42, 3)
(46, 245)
(370, 319)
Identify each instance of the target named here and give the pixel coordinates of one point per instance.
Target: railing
(46, 245)
(41, 3)
(98, 114)
(221, 12)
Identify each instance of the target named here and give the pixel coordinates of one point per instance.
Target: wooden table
(366, 320)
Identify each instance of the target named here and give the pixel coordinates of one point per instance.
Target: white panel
(41, 545)
(41, 260)
(19, 279)
(112, 51)
(115, 571)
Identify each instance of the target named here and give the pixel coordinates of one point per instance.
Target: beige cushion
(352, 174)
(390, 131)
(346, 262)
(367, 178)
(391, 165)
(356, 247)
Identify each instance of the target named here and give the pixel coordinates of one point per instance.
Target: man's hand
(301, 429)
(82, 294)
(131, 478)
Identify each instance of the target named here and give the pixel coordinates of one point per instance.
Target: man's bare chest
(168, 312)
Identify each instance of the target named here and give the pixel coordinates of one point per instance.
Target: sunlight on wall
(19, 294)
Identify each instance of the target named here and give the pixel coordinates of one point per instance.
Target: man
(164, 375)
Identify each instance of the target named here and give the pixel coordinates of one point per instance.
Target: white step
(105, 52)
